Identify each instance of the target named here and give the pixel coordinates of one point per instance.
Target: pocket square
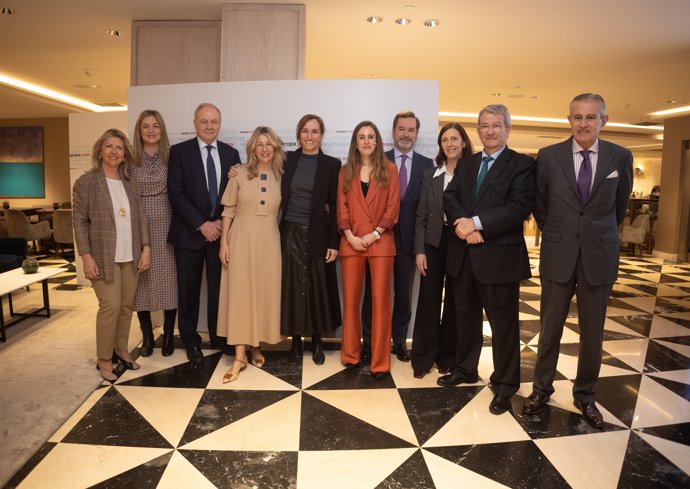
(613, 174)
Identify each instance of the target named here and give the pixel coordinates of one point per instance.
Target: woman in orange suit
(368, 207)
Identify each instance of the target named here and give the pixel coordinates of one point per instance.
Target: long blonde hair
(97, 163)
(278, 156)
(379, 163)
(163, 145)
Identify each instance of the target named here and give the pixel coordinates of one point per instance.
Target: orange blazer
(380, 208)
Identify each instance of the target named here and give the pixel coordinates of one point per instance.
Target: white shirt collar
(440, 171)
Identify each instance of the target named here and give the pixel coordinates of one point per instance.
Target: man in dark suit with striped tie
(197, 177)
(583, 188)
(488, 200)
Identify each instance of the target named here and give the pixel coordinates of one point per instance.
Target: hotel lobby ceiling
(532, 56)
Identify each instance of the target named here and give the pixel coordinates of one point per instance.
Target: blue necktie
(584, 176)
(212, 181)
(483, 171)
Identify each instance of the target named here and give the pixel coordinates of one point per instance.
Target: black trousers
(591, 310)
(190, 265)
(501, 303)
(434, 336)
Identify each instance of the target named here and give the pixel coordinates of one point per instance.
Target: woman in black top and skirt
(310, 304)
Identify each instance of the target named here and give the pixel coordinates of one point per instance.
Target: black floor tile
(113, 421)
(645, 468)
(412, 473)
(514, 464)
(183, 375)
(337, 430)
(640, 324)
(219, 408)
(429, 409)
(618, 395)
(357, 378)
(145, 476)
(679, 433)
(661, 359)
(238, 469)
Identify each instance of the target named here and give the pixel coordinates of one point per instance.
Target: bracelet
(376, 232)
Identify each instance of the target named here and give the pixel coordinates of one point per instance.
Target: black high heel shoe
(128, 365)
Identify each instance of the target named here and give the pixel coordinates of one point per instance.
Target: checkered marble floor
(169, 425)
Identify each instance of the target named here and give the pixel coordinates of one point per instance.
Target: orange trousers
(352, 269)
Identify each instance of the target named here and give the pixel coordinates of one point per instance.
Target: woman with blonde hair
(112, 236)
(368, 206)
(157, 288)
(250, 252)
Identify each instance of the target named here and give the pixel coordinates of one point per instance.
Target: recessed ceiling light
(403, 21)
(496, 94)
(408, 7)
(516, 95)
(432, 23)
(374, 19)
(534, 97)
(7, 11)
(671, 101)
(114, 33)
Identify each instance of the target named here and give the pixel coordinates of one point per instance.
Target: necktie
(212, 181)
(403, 175)
(482, 172)
(584, 176)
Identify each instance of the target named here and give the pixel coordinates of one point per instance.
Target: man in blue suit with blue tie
(197, 177)
(411, 166)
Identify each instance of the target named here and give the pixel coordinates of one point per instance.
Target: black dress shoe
(499, 404)
(400, 350)
(195, 356)
(420, 373)
(365, 355)
(380, 375)
(535, 403)
(352, 366)
(443, 370)
(457, 378)
(591, 414)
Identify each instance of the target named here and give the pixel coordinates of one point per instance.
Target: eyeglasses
(496, 127)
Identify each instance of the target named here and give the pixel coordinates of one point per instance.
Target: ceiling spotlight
(114, 33)
(374, 19)
(432, 23)
(671, 101)
(7, 11)
(403, 21)
(408, 7)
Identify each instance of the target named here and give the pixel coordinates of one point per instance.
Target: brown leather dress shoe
(535, 403)
(591, 414)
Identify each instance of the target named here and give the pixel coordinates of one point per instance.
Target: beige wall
(56, 159)
(670, 230)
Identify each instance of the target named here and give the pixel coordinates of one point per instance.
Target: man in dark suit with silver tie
(583, 187)
(197, 177)
(411, 166)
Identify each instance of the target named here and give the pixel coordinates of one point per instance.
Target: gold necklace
(120, 198)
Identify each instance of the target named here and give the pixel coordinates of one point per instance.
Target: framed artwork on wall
(22, 171)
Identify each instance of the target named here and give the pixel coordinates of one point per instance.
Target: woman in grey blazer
(112, 235)
(433, 339)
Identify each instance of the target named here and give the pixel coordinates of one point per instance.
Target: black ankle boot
(169, 332)
(297, 351)
(147, 331)
(317, 350)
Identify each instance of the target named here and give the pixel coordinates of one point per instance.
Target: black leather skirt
(310, 302)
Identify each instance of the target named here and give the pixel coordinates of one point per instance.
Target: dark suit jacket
(188, 192)
(429, 221)
(404, 230)
(362, 214)
(503, 202)
(94, 220)
(323, 227)
(570, 228)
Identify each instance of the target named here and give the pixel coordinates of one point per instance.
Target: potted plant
(5, 204)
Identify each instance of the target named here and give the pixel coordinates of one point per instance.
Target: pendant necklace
(120, 189)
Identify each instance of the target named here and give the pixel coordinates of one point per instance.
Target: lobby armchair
(636, 233)
(18, 226)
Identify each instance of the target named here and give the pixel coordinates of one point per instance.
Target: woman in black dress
(310, 305)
